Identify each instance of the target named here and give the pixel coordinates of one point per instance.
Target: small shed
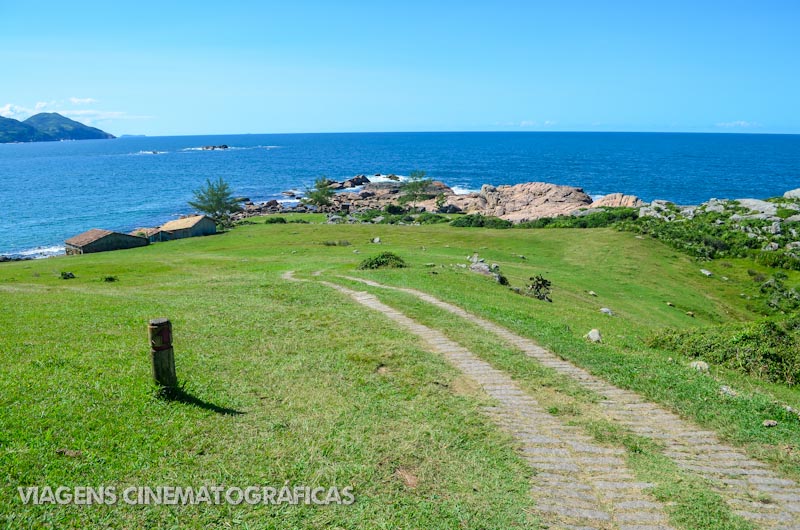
(97, 240)
(193, 226)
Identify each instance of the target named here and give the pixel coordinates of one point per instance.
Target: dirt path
(578, 484)
(751, 489)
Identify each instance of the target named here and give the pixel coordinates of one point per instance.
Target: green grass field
(293, 382)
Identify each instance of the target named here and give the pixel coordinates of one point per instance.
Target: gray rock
(378, 219)
(775, 228)
(705, 272)
(594, 336)
(792, 194)
(607, 311)
(700, 366)
(376, 240)
(769, 423)
(728, 391)
(771, 246)
(592, 293)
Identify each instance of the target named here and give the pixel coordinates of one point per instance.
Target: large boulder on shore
(523, 202)
(617, 200)
(792, 194)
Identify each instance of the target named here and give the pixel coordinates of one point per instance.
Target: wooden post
(161, 354)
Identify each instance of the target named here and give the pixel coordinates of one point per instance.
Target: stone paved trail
(751, 489)
(578, 484)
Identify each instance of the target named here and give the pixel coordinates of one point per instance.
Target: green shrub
(383, 260)
(480, 221)
(608, 217)
(768, 349)
(394, 209)
(275, 221)
(428, 218)
(340, 243)
(298, 221)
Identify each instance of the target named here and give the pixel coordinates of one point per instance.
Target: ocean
(53, 190)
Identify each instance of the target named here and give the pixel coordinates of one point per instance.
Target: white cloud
(549, 123)
(738, 124)
(9, 110)
(41, 105)
(90, 116)
(82, 101)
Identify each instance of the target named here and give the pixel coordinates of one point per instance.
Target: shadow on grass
(182, 396)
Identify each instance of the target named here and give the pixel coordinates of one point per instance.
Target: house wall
(204, 227)
(114, 242)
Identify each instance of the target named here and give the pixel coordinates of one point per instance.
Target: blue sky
(169, 68)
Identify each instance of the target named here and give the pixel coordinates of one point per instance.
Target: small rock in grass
(430, 264)
(670, 304)
(607, 311)
(376, 240)
(521, 257)
(592, 293)
(770, 423)
(705, 272)
(700, 366)
(594, 336)
(670, 360)
(728, 391)
(356, 251)
(690, 313)
(72, 453)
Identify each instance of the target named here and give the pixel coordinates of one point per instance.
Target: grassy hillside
(294, 382)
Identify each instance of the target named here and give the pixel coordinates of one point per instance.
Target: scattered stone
(728, 391)
(430, 264)
(607, 311)
(700, 366)
(706, 272)
(594, 336)
(481, 268)
(771, 246)
(690, 313)
(521, 257)
(769, 423)
(592, 293)
(670, 360)
(670, 304)
(356, 251)
(461, 265)
(378, 219)
(376, 240)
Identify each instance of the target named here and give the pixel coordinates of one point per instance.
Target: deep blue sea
(54, 190)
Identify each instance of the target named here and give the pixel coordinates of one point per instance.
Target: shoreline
(516, 203)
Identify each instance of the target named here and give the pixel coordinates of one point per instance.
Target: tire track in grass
(751, 489)
(578, 484)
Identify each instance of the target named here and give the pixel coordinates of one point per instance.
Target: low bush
(602, 219)
(428, 218)
(275, 221)
(384, 260)
(480, 221)
(768, 349)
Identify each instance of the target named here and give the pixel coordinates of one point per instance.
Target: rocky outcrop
(617, 200)
(522, 202)
(517, 203)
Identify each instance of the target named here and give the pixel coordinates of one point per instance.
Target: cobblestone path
(751, 489)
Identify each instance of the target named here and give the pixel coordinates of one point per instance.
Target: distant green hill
(16, 131)
(47, 127)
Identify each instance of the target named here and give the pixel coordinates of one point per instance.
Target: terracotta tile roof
(186, 222)
(90, 236)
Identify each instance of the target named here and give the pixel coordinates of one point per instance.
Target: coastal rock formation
(522, 202)
(616, 200)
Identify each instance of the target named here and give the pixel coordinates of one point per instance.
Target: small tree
(540, 288)
(320, 194)
(416, 188)
(216, 200)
